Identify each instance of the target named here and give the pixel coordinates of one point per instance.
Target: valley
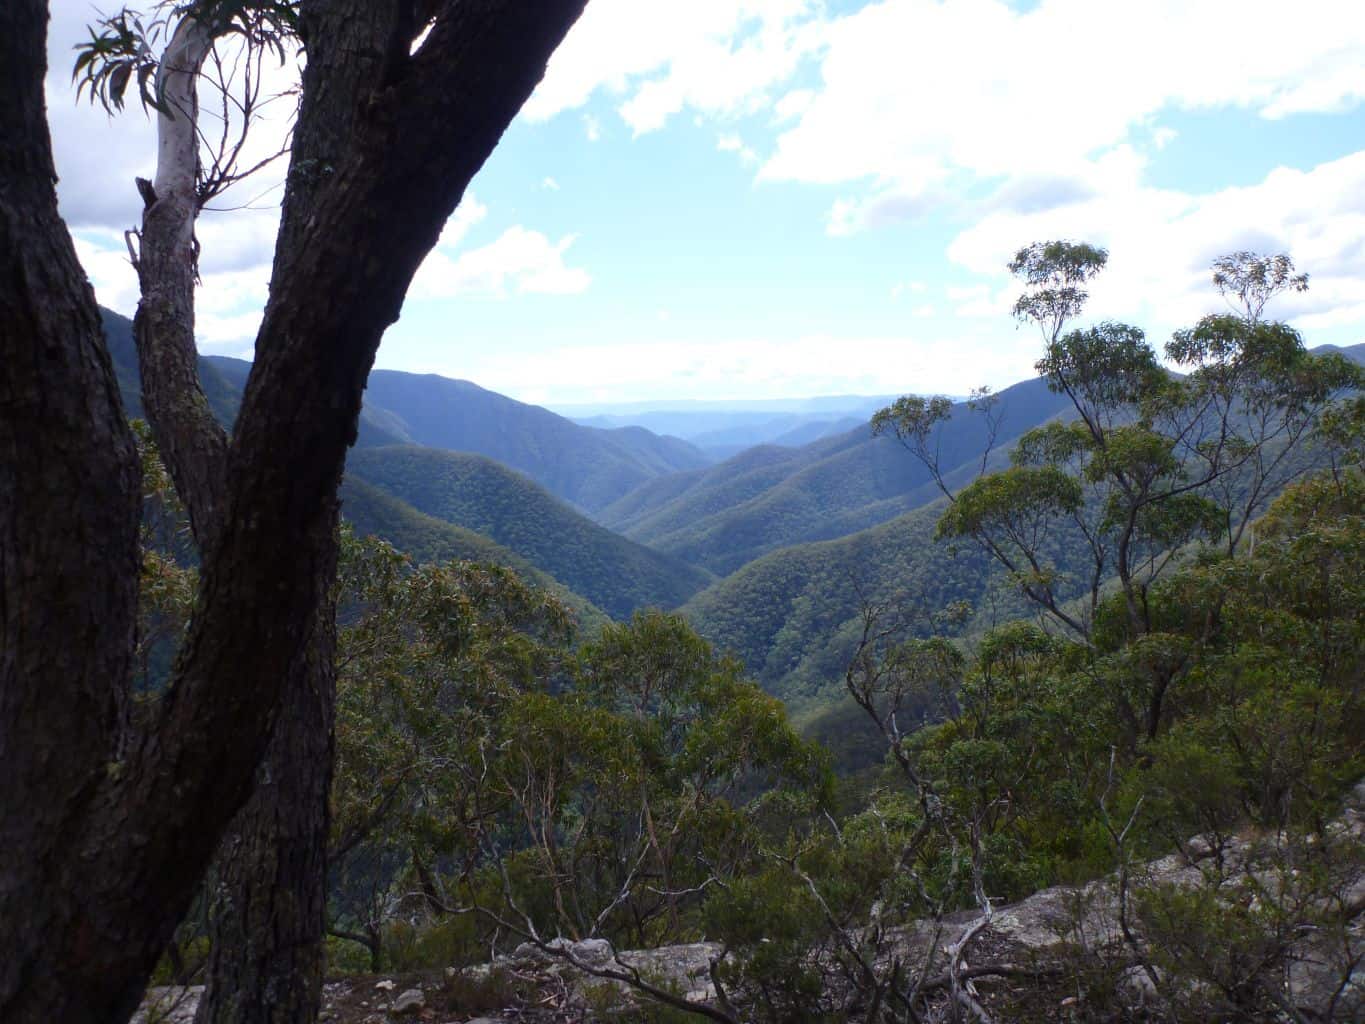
(769, 552)
(766, 513)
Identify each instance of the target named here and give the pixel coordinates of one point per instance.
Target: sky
(726, 199)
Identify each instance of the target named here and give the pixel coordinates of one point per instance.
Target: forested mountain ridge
(585, 466)
(770, 497)
(375, 512)
(223, 380)
(481, 495)
(1355, 353)
(792, 615)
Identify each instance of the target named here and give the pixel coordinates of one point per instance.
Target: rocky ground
(1060, 956)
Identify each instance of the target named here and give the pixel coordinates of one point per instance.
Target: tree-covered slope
(582, 465)
(222, 378)
(1356, 353)
(374, 512)
(792, 615)
(585, 466)
(765, 499)
(477, 493)
(377, 426)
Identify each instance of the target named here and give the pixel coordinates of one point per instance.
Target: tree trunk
(69, 503)
(269, 904)
(106, 831)
(267, 910)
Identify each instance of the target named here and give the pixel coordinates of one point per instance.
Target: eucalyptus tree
(1148, 460)
(428, 659)
(108, 823)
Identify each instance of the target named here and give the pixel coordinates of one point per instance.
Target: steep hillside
(377, 426)
(792, 615)
(582, 465)
(585, 466)
(767, 498)
(814, 431)
(478, 494)
(1356, 353)
(372, 511)
(705, 491)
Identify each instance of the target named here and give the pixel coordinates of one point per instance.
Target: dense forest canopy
(294, 685)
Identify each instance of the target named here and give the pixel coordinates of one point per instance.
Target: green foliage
(1234, 943)
(476, 493)
(168, 580)
(1055, 273)
(427, 659)
(1261, 660)
(1152, 463)
(121, 46)
(608, 798)
(1021, 503)
(1040, 770)
(768, 498)
(912, 418)
(1253, 279)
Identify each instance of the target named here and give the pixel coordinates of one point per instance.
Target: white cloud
(105, 259)
(793, 105)
(98, 155)
(549, 184)
(730, 142)
(1162, 242)
(236, 239)
(519, 260)
(919, 93)
(228, 303)
(656, 58)
(466, 215)
(849, 216)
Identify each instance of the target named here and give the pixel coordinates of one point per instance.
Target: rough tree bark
(268, 903)
(268, 913)
(107, 830)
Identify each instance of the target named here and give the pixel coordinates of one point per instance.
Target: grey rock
(409, 1002)
(169, 1004)
(593, 951)
(1135, 984)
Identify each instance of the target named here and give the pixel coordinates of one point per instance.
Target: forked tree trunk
(268, 906)
(106, 831)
